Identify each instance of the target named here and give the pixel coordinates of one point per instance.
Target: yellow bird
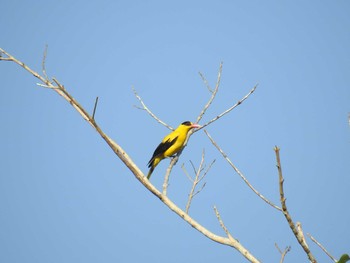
(171, 144)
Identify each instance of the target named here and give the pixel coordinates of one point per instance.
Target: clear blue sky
(65, 197)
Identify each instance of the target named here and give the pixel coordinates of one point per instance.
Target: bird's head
(189, 125)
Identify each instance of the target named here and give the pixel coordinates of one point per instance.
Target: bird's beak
(195, 125)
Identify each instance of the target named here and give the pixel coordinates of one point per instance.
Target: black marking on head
(187, 123)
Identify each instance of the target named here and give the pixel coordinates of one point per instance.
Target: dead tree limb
(124, 157)
(297, 231)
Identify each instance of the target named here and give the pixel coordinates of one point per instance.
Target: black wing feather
(162, 147)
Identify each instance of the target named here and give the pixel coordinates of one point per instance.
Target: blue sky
(65, 197)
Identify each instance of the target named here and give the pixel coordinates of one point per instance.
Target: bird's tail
(152, 164)
(150, 172)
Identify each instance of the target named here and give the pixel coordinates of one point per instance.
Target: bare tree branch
(46, 86)
(205, 82)
(200, 116)
(123, 156)
(186, 173)
(322, 247)
(239, 173)
(297, 232)
(167, 174)
(223, 225)
(95, 106)
(200, 190)
(43, 63)
(5, 59)
(197, 180)
(144, 107)
(229, 109)
(283, 253)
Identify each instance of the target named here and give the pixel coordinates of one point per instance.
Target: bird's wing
(162, 147)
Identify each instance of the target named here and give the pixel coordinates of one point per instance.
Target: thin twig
(20, 63)
(46, 86)
(200, 116)
(195, 182)
(194, 168)
(322, 247)
(167, 174)
(240, 174)
(94, 111)
(229, 109)
(7, 58)
(186, 173)
(223, 225)
(200, 190)
(144, 107)
(283, 253)
(58, 83)
(205, 82)
(297, 233)
(43, 62)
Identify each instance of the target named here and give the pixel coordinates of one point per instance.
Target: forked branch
(223, 225)
(229, 109)
(197, 179)
(283, 253)
(200, 116)
(297, 231)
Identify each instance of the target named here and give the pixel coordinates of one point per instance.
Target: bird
(171, 144)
